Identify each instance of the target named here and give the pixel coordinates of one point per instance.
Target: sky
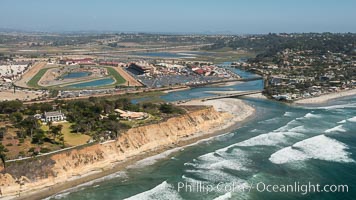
(180, 16)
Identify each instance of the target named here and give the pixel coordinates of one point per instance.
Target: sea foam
(352, 119)
(65, 193)
(163, 191)
(224, 197)
(310, 115)
(349, 105)
(269, 139)
(342, 122)
(338, 128)
(288, 114)
(317, 147)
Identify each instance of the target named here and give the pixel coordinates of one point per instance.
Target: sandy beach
(257, 96)
(237, 109)
(326, 97)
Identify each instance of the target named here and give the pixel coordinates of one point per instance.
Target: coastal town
(301, 72)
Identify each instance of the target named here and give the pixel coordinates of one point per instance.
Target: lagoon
(76, 75)
(96, 83)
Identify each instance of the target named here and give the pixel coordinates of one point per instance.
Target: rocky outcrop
(50, 170)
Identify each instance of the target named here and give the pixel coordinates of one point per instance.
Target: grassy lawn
(70, 139)
(34, 81)
(119, 79)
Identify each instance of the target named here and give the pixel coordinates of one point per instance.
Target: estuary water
(282, 145)
(95, 83)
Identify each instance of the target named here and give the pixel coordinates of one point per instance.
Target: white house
(53, 116)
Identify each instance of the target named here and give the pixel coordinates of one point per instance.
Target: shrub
(45, 150)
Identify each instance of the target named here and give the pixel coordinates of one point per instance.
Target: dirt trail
(127, 77)
(30, 74)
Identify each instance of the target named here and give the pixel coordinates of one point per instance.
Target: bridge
(222, 96)
(251, 79)
(232, 95)
(225, 81)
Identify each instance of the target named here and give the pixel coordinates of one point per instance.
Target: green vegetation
(93, 118)
(272, 43)
(97, 117)
(119, 79)
(3, 150)
(53, 92)
(170, 109)
(34, 81)
(62, 132)
(8, 107)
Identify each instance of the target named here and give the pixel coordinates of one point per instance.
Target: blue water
(96, 83)
(76, 75)
(282, 145)
(204, 92)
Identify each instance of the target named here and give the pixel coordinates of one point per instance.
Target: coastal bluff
(45, 172)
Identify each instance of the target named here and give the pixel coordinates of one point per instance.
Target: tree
(2, 133)
(112, 117)
(49, 124)
(56, 130)
(16, 117)
(166, 108)
(45, 107)
(38, 136)
(10, 106)
(30, 124)
(2, 154)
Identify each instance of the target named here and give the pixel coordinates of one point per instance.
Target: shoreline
(239, 110)
(324, 98)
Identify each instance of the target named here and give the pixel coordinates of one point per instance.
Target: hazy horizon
(159, 16)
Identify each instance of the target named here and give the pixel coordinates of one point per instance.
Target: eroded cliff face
(47, 171)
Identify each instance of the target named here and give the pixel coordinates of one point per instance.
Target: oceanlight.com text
(236, 187)
(301, 188)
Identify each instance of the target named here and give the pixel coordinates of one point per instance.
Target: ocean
(284, 152)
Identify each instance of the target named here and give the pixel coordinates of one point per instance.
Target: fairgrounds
(74, 77)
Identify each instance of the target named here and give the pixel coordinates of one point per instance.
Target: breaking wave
(309, 116)
(317, 147)
(349, 105)
(65, 193)
(224, 197)
(163, 191)
(342, 122)
(288, 114)
(338, 128)
(352, 119)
